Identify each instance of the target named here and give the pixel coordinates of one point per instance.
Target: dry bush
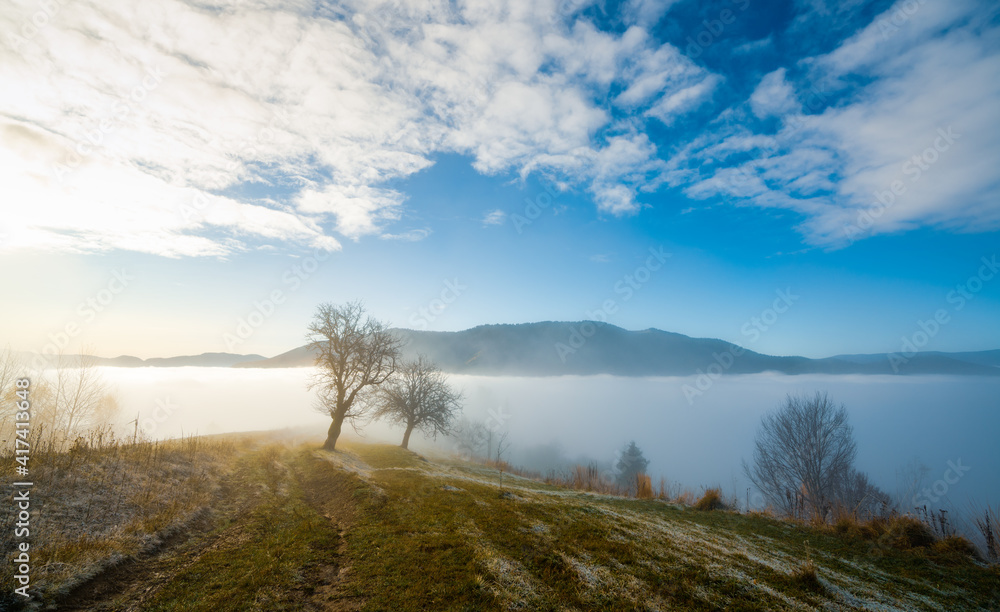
(903, 532)
(848, 526)
(711, 499)
(685, 497)
(956, 547)
(643, 486)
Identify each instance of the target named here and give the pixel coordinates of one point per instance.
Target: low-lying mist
(899, 422)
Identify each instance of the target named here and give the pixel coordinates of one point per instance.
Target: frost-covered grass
(376, 527)
(96, 505)
(443, 536)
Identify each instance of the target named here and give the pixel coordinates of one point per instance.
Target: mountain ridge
(553, 348)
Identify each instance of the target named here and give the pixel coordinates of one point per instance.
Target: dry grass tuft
(643, 487)
(807, 577)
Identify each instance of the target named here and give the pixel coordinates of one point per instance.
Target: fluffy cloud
(773, 96)
(495, 217)
(917, 145)
(281, 119)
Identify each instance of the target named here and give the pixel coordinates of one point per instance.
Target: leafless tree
(471, 436)
(10, 371)
(856, 495)
(804, 452)
(354, 355)
(68, 400)
(502, 446)
(418, 397)
(83, 399)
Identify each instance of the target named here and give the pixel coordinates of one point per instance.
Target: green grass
(420, 546)
(376, 527)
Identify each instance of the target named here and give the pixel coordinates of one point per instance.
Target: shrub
(956, 547)
(849, 527)
(643, 486)
(906, 532)
(710, 500)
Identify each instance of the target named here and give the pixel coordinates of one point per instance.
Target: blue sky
(454, 164)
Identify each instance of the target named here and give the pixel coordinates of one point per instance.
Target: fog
(897, 421)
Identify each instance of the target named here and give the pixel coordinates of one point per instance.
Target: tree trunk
(333, 433)
(406, 436)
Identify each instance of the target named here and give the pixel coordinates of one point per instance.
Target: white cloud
(358, 209)
(495, 217)
(647, 13)
(753, 46)
(773, 96)
(414, 235)
(314, 110)
(615, 199)
(927, 123)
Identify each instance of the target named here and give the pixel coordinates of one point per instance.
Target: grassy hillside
(373, 527)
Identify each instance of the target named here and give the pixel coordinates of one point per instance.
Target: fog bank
(932, 419)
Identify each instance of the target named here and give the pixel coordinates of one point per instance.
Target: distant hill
(583, 348)
(205, 360)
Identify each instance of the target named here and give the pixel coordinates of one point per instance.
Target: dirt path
(231, 528)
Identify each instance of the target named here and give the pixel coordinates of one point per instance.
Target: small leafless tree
(803, 454)
(418, 397)
(857, 496)
(11, 369)
(354, 355)
(470, 437)
(83, 399)
(502, 446)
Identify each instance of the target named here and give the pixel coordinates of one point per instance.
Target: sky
(805, 177)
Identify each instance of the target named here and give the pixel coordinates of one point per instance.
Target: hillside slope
(375, 527)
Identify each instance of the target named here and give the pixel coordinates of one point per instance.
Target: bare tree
(471, 436)
(502, 446)
(804, 452)
(354, 355)
(418, 397)
(857, 495)
(83, 399)
(10, 371)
